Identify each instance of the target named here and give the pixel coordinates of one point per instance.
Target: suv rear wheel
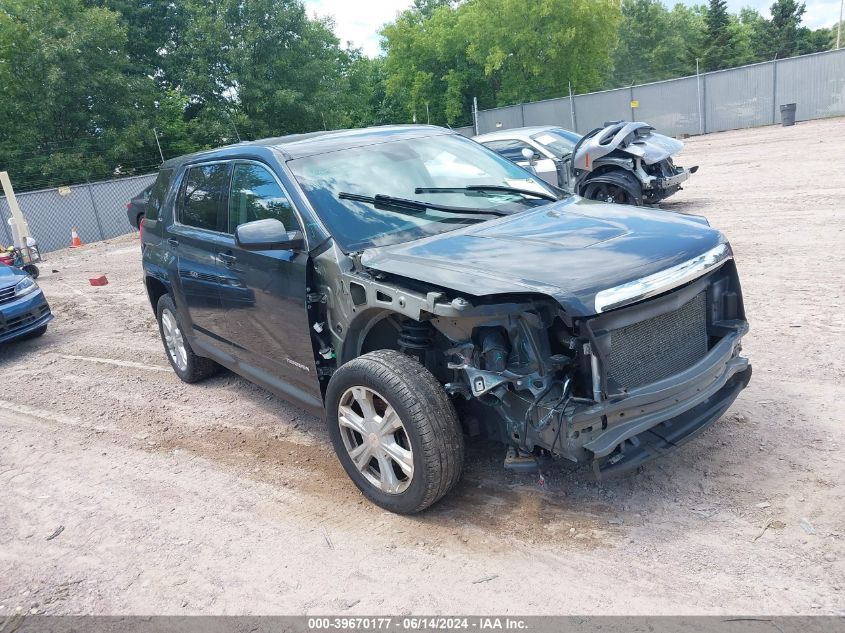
(187, 365)
(395, 431)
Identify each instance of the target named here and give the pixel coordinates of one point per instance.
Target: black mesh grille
(7, 294)
(653, 349)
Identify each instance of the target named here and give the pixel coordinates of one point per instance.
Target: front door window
(255, 195)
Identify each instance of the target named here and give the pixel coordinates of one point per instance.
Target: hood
(637, 139)
(568, 250)
(9, 275)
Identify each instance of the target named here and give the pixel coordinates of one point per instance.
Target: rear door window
(256, 195)
(156, 197)
(203, 196)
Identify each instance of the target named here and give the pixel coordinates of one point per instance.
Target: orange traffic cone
(75, 242)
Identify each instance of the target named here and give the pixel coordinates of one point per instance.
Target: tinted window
(255, 195)
(512, 150)
(205, 186)
(158, 194)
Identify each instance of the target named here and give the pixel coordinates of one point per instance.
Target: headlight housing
(25, 286)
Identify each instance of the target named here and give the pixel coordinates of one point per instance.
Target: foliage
(67, 97)
(89, 84)
(656, 42)
(653, 42)
(499, 51)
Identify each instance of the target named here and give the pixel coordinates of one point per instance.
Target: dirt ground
(219, 498)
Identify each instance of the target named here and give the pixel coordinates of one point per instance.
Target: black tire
(430, 424)
(607, 192)
(31, 270)
(196, 367)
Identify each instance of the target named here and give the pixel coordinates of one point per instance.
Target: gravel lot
(219, 498)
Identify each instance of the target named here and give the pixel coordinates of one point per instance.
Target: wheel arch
(156, 289)
(614, 176)
(367, 327)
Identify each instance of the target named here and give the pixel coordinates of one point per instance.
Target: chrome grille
(650, 350)
(7, 294)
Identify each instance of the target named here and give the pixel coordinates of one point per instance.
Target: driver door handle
(226, 259)
(173, 243)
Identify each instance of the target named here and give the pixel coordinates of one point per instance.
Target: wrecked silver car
(417, 289)
(627, 163)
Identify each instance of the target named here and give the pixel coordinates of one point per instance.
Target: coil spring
(415, 336)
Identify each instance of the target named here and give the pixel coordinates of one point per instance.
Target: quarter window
(155, 198)
(255, 195)
(205, 187)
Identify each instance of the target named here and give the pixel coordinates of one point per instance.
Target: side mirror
(267, 235)
(530, 155)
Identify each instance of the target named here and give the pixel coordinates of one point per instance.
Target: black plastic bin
(787, 114)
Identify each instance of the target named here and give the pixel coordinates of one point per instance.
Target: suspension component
(416, 337)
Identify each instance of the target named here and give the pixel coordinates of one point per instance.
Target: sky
(358, 21)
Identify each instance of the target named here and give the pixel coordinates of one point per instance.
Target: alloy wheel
(173, 340)
(376, 439)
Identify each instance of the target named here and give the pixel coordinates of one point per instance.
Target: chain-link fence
(731, 99)
(97, 210)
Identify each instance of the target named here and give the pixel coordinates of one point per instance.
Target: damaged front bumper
(670, 182)
(621, 433)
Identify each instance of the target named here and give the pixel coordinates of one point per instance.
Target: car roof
(296, 146)
(520, 133)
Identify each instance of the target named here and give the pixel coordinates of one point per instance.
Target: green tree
(721, 43)
(366, 101)
(783, 28)
(63, 68)
(427, 7)
(501, 51)
(532, 49)
(653, 42)
(426, 65)
(815, 41)
(284, 67)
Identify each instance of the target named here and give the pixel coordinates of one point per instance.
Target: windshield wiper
(482, 189)
(389, 203)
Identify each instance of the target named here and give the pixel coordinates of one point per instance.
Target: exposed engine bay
(615, 387)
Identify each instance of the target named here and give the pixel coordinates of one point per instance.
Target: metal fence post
(704, 101)
(96, 213)
(774, 90)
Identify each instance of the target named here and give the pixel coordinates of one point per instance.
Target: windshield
(398, 169)
(559, 142)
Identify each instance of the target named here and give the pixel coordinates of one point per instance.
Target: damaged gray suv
(416, 289)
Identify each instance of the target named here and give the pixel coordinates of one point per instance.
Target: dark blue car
(414, 287)
(24, 312)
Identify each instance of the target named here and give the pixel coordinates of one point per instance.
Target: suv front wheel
(394, 430)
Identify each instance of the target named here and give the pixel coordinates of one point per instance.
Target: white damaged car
(627, 163)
